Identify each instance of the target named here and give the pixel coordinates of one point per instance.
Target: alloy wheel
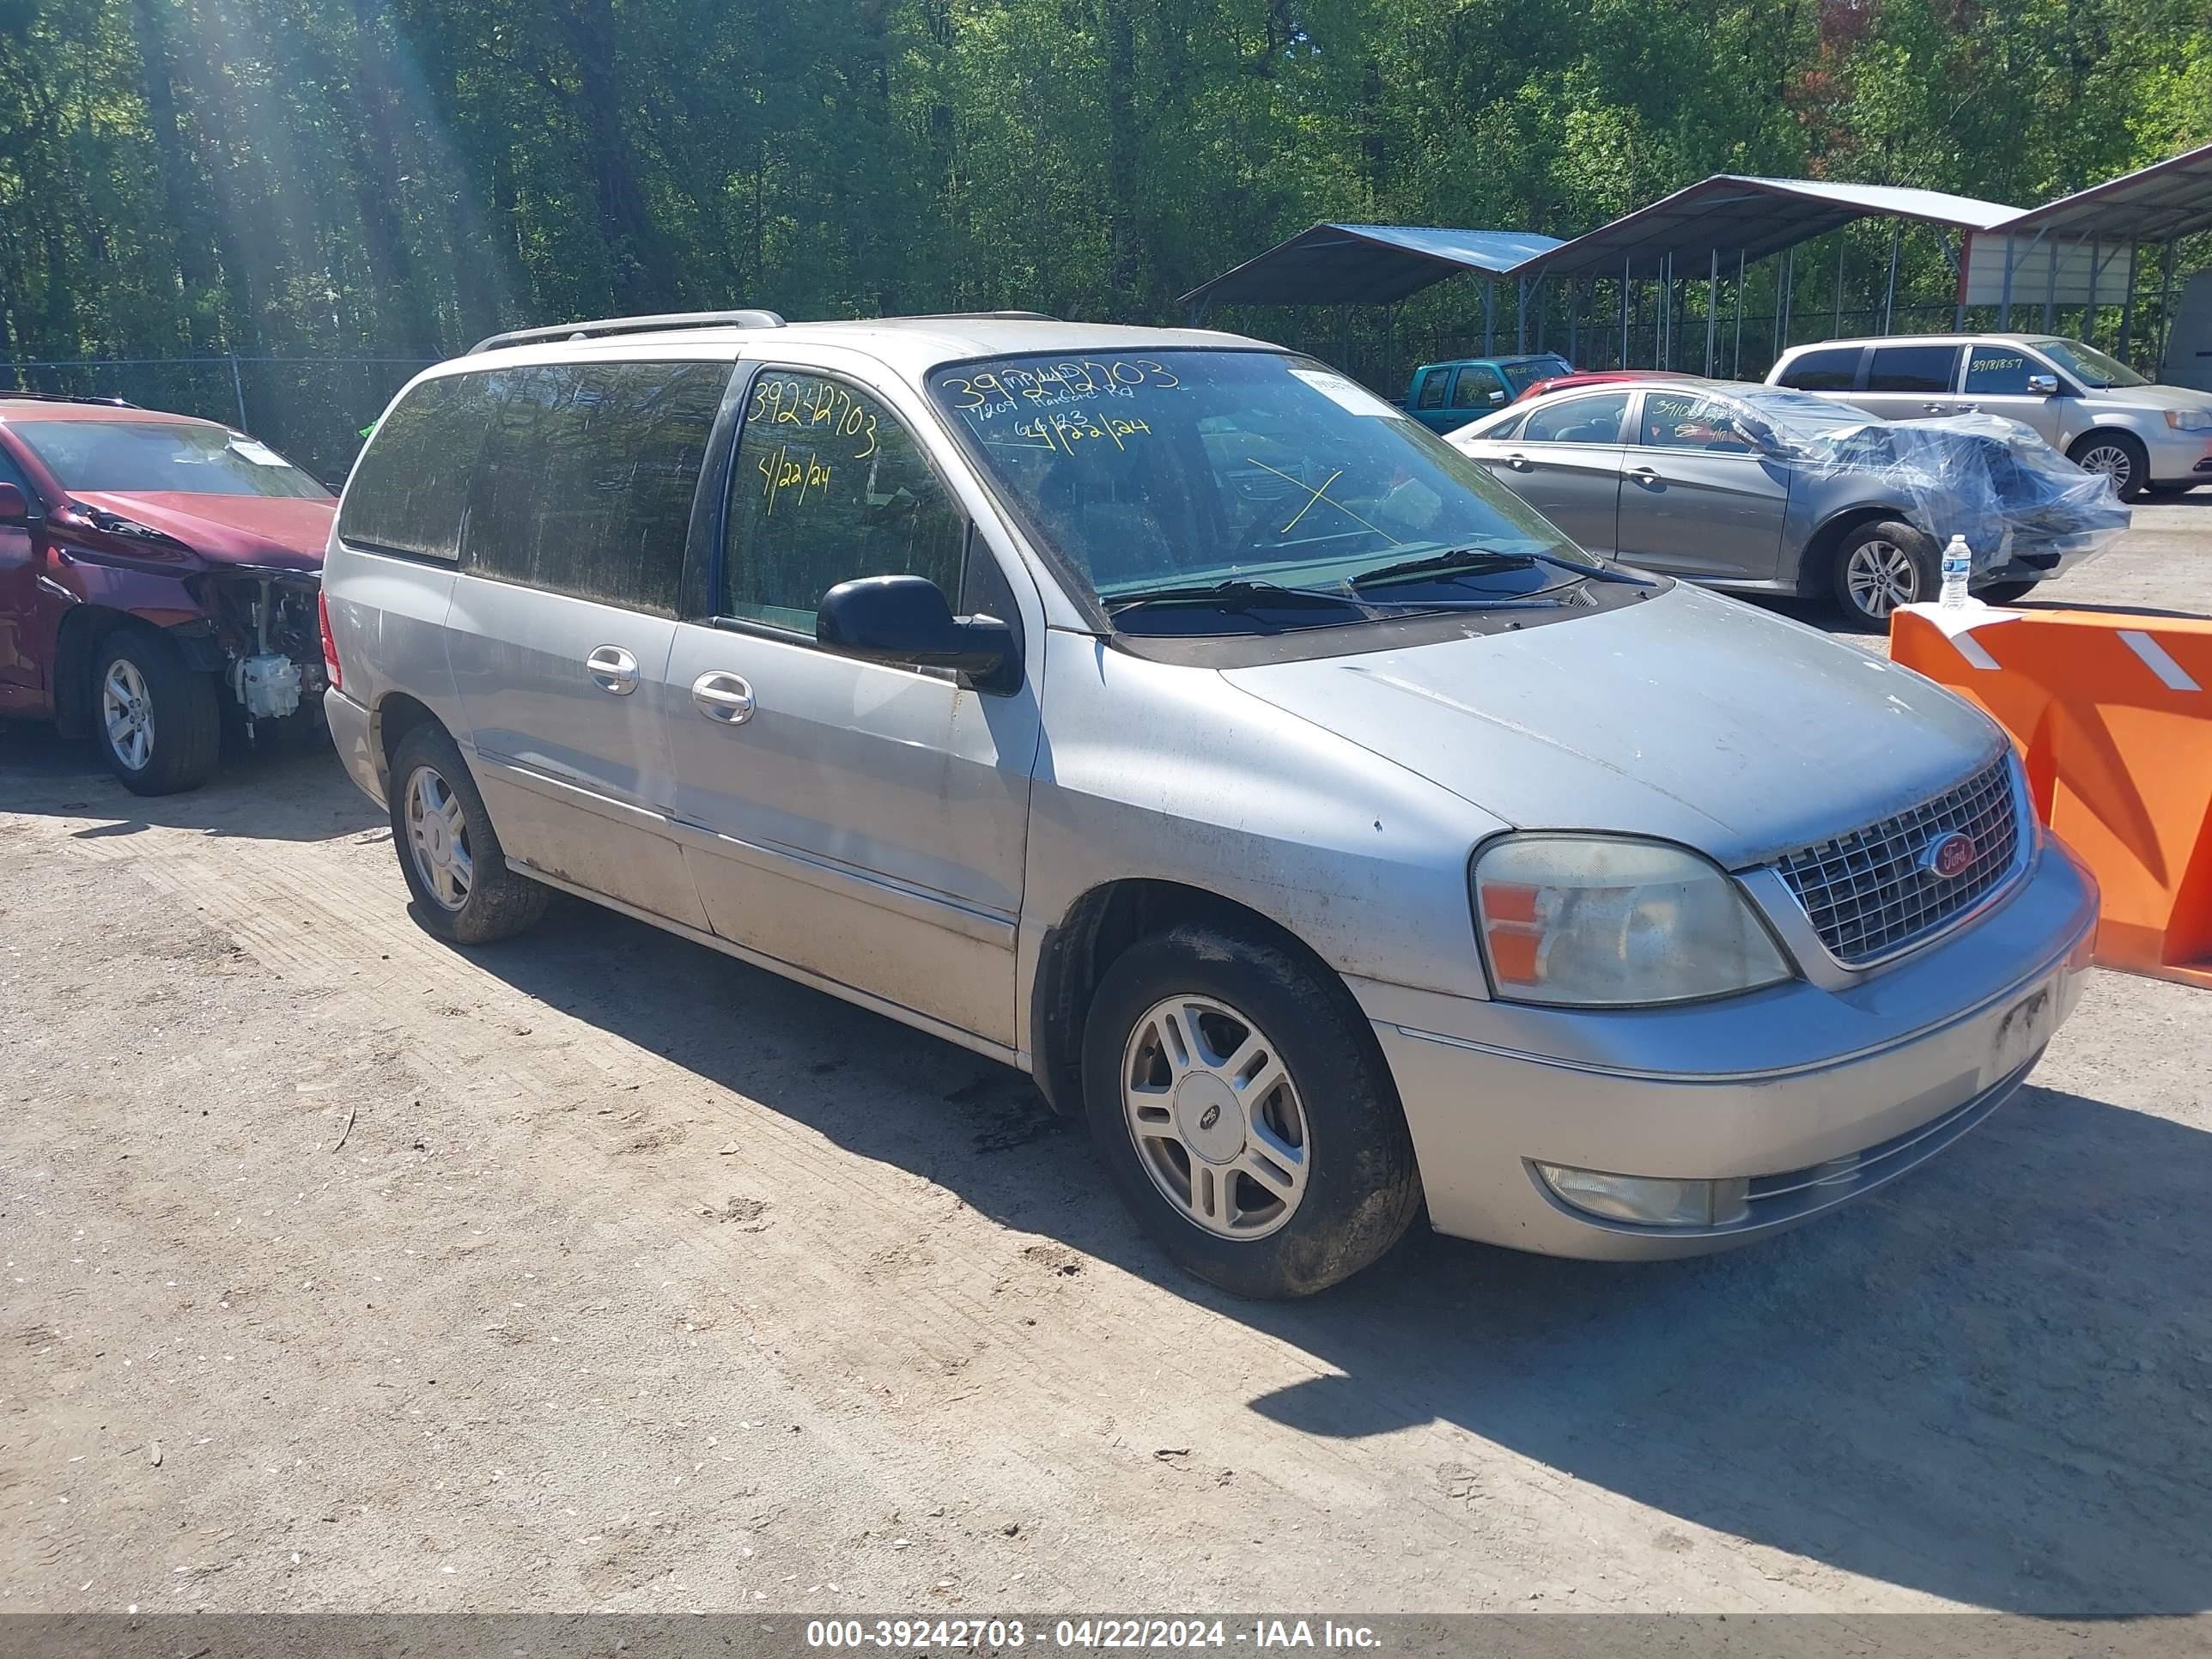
(438, 838)
(127, 710)
(1881, 576)
(1216, 1117)
(2110, 461)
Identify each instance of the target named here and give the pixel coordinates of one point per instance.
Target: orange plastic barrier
(2112, 714)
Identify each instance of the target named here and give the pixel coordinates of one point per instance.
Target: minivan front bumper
(1816, 1096)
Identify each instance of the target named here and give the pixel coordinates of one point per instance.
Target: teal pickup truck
(1444, 396)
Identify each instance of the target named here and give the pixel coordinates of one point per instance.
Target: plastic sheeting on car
(1995, 482)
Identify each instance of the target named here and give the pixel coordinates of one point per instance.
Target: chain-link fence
(313, 409)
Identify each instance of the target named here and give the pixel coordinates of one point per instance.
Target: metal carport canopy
(2156, 203)
(1366, 264)
(1732, 214)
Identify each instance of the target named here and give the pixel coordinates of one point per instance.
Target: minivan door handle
(1645, 475)
(1520, 462)
(724, 697)
(613, 670)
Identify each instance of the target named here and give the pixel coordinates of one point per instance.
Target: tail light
(329, 646)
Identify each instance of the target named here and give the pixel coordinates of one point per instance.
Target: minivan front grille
(1875, 891)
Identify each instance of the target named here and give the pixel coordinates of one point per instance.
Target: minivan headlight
(2190, 420)
(1600, 920)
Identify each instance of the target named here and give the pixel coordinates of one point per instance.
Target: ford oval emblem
(1949, 856)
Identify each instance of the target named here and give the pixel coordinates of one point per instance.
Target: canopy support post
(1735, 360)
(2051, 289)
(1843, 242)
(1574, 314)
(1624, 304)
(2128, 301)
(1712, 307)
(1889, 291)
(1489, 316)
(1521, 320)
(2164, 312)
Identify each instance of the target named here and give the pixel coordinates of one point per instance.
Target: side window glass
(1824, 371)
(1997, 370)
(1479, 387)
(1913, 368)
(410, 486)
(1432, 388)
(10, 473)
(1683, 420)
(587, 478)
(1579, 420)
(828, 487)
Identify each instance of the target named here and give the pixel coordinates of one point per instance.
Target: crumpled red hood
(285, 531)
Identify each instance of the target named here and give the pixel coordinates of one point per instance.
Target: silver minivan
(1161, 713)
(2094, 410)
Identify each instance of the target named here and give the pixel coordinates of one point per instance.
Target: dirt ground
(344, 1270)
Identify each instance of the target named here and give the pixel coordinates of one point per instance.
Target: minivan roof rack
(951, 316)
(604, 326)
(9, 393)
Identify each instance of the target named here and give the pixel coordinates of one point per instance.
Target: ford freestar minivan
(1162, 714)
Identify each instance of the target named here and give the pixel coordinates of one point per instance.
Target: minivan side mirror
(907, 619)
(2043, 386)
(15, 505)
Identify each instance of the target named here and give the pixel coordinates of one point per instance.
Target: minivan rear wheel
(1881, 566)
(448, 851)
(1245, 1112)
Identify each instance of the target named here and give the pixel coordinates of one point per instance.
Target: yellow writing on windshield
(989, 393)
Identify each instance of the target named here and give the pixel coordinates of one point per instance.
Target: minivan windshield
(157, 457)
(2088, 365)
(1166, 478)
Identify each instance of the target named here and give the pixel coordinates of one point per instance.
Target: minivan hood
(2151, 397)
(1688, 716)
(287, 533)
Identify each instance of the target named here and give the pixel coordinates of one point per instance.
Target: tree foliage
(334, 177)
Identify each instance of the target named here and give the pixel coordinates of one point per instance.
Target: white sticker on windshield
(259, 454)
(1350, 394)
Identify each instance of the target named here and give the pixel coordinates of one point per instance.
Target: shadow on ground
(1991, 1383)
(299, 793)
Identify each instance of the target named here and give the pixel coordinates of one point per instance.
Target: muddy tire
(448, 851)
(1271, 1171)
(159, 723)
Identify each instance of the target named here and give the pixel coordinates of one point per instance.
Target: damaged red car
(160, 581)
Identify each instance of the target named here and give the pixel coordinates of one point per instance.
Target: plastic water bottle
(1957, 565)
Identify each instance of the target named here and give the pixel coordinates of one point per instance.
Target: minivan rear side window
(1913, 368)
(411, 485)
(588, 475)
(828, 486)
(1836, 369)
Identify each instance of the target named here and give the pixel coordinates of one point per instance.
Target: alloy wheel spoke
(1273, 1161)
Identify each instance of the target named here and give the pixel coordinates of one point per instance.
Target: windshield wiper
(1469, 559)
(1238, 593)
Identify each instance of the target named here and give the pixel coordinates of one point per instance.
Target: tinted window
(1479, 388)
(10, 474)
(1834, 370)
(828, 487)
(411, 483)
(1683, 420)
(1432, 387)
(1998, 369)
(1194, 466)
(1522, 376)
(176, 457)
(587, 478)
(1913, 368)
(1595, 420)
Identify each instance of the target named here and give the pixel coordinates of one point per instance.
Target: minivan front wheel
(1245, 1112)
(1879, 567)
(2113, 455)
(448, 851)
